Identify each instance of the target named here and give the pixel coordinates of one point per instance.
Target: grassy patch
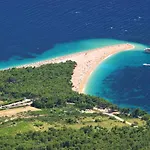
(13, 128)
(136, 120)
(102, 121)
(1, 102)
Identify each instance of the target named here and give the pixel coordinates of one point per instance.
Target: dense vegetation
(96, 138)
(49, 85)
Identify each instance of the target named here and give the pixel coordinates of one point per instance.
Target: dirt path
(118, 118)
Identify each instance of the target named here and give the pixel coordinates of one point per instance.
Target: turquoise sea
(123, 79)
(61, 50)
(32, 30)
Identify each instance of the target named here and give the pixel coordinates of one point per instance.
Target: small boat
(147, 50)
(146, 64)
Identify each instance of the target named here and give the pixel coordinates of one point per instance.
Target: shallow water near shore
(60, 50)
(123, 80)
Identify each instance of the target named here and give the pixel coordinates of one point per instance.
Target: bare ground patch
(1, 102)
(12, 112)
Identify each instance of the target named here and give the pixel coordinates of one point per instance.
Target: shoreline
(83, 85)
(109, 51)
(87, 61)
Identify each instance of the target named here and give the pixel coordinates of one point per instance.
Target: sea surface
(123, 80)
(34, 30)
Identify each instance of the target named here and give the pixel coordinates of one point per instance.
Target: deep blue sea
(33, 30)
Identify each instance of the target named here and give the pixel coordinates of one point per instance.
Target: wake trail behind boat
(145, 64)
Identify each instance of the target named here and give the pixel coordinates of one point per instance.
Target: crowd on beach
(90, 60)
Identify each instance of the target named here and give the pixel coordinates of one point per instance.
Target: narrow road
(106, 112)
(118, 118)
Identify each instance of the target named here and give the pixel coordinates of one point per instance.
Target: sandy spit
(86, 61)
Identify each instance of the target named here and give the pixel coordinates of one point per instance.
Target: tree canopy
(96, 138)
(49, 85)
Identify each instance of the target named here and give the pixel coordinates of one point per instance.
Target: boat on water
(146, 64)
(147, 50)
